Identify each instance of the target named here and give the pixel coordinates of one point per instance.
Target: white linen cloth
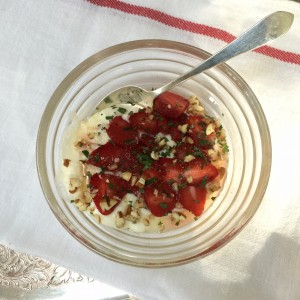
(42, 40)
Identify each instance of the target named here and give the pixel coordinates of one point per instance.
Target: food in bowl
(147, 169)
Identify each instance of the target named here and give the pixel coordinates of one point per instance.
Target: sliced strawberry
(199, 172)
(176, 134)
(129, 161)
(159, 200)
(174, 173)
(121, 132)
(147, 142)
(163, 123)
(143, 121)
(105, 155)
(193, 198)
(170, 105)
(108, 187)
(196, 124)
(183, 150)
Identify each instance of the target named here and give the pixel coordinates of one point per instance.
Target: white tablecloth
(42, 40)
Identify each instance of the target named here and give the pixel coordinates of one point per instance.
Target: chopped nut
(107, 204)
(188, 139)
(161, 143)
(133, 180)
(87, 197)
(151, 117)
(175, 186)
(126, 175)
(135, 213)
(210, 129)
(117, 159)
(75, 183)
(140, 183)
(146, 221)
(97, 218)
(91, 135)
(178, 216)
(91, 208)
(120, 221)
(66, 162)
(189, 158)
(193, 100)
(112, 167)
(155, 192)
(83, 207)
(183, 128)
(189, 179)
(154, 155)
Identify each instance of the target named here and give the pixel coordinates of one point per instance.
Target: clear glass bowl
(152, 63)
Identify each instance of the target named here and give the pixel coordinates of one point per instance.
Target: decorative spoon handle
(266, 30)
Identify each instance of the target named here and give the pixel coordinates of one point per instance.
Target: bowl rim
(85, 65)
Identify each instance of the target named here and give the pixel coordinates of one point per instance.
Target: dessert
(147, 169)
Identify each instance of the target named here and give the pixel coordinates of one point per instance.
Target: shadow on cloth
(274, 272)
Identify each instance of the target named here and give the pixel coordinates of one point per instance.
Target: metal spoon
(266, 30)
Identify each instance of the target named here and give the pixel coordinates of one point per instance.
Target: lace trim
(29, 272)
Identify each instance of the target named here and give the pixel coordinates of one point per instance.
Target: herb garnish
(145, 160)
(122, 110)
(150, 181)
(163, 205)
(85, 153)
(107, 100)
(109, 117)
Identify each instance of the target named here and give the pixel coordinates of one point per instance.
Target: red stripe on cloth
(193, 27)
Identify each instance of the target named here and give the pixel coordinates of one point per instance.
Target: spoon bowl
(269, 28)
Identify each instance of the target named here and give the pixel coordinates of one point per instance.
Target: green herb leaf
(107, 100)
(145, 160)
(85, 153)
(204, 181)
(163, 205)
(213, 198)
(122, 110)
(109, 117)
(150, 181)
(225, 148)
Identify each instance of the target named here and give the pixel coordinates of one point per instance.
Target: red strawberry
(121, 132)
(197, 126)
(193, 198)
(108, 188)
(159, 200)
(142, 121)
(174, 172)
(170, 105)
(183, 150)
(105, 155)
(199, 172)
(129, 160)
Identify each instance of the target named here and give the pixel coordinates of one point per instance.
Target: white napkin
(41, 41)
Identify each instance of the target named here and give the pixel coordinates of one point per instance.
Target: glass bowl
(225, 95)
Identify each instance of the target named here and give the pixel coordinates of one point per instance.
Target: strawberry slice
(160, 199)
(170, 105)
(121, 132)
(197, 126)
(143, 121)
(193, 198)
(174, 173)
(105, 155)
(110, 189)
(129, 160)
(199, 172)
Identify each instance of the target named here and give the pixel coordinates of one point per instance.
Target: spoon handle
(266, 30)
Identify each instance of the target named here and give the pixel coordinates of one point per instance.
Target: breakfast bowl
(224, 95)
